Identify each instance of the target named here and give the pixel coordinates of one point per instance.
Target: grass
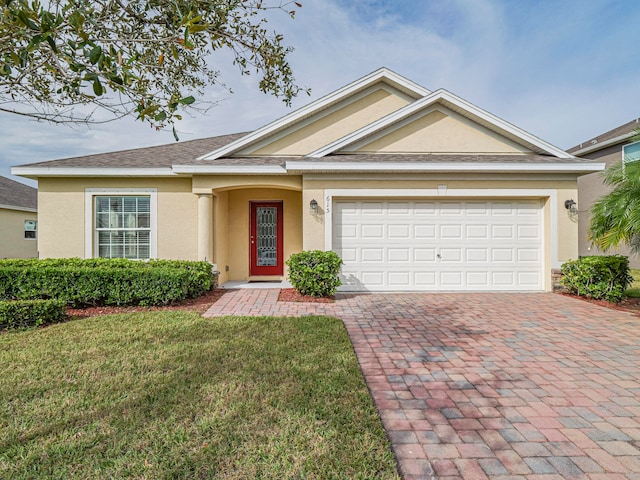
(171, 395)
(634, 289)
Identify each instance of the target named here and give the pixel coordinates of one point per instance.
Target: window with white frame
(121, 223)
(122, 226)
(631, 152)
(30, 229)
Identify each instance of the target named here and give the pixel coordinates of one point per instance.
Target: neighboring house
(18, 220)
(605, 148)
(414, 189)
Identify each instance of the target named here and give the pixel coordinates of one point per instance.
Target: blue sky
(562, 70)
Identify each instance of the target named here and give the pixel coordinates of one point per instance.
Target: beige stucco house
(414, 189)
(18, 220)
(606, 148)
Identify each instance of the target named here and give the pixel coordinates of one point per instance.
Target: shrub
(18, 314)
(105, 281)
(315, 272)
(597, 277)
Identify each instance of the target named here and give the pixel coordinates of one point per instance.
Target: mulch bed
(291, 295)
(200, 304)
(631, 305)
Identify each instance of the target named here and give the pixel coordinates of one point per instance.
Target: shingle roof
(186, 153)
(394, 158)
(627, 128)
(15, 194)
(177, 153)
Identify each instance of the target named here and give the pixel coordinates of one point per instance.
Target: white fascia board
(20, 209)
(438, 95)
(231, 169)
(310, 166)
(600, 145)
(307, 110)
(90, 172)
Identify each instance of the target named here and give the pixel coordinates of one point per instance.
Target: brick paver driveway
(499, 386)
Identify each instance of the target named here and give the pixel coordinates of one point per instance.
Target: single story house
(18, 220)
(415, 190)
(606, 148)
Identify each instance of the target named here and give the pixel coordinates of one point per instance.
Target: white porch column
(205, 222)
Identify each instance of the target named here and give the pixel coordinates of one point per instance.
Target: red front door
(265, 241)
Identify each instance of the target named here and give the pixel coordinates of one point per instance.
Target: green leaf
(97, 87)
(187, 100)
(94, 54)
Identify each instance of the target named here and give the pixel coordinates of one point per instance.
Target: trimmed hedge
(104, 281)
(19, 314)
(597, 277)
(315, 272)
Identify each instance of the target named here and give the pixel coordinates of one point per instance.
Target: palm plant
(615, 217)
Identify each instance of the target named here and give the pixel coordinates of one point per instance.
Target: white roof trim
(310, 166)
(427, 101)
(307, 110)
(600, 145)
(91, 172)
(231, 169)
(21, 209)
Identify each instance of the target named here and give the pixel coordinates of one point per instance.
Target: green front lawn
(170, 395)
(634, 289)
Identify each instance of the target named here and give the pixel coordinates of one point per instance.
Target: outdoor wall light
(313, 207)
(571, 206)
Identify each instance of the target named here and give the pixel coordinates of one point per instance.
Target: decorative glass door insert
(266, 238)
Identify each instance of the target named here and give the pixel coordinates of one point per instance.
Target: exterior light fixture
(571, 206)
(313, 207)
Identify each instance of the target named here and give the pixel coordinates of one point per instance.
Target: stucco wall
(62, 215)
(12, 241)
(335, 125)
(439, 132)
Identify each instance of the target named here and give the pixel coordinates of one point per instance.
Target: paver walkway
(500, 386)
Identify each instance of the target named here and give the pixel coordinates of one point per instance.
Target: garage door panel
(347, 231)
(528, 231)
(476, 255)
(528, 278)
(399, 208)
(451, 279)
(399, 255)
(478, 280)
(375, 255)
(528, 255)
(424, 231)
(503, 279)
(398, 231)
(449, 209)
(478, 232)
(424, 208)
(375, 231)
(501, 255)
(425, 279)
(399, 279)
(439, 245)
(451, 232)
(424, 255)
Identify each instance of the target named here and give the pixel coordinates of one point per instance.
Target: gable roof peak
(458, 105)
(382, 74)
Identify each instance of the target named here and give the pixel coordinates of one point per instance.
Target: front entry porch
(253, 229)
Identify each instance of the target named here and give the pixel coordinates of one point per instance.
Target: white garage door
(391, 245)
